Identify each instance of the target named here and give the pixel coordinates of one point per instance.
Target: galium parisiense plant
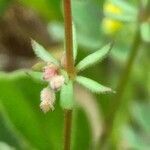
(55, 74)
(61, 75)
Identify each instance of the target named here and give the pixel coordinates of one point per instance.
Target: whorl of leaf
(94, 58)
(92, 85)
(42, 53)
(66, 96)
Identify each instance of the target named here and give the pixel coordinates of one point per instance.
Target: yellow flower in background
(111, 8)
(111, 26)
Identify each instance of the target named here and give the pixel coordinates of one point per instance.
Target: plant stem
(117, 102)
(69, 38)
(67, 129)
(70, 68)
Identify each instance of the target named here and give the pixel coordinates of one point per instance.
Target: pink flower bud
(50, 71)
(47, 100)
(63, 61)
(46, 106)
(57, 82)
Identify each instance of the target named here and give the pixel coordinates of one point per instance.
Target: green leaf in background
(126, 6)
(141, 114)
(94, 58)
(38, 76)
(20, 97)
(42, 53)
(92, 85)
(86, 16)
(8, 133)
(47, 9)
(120, 11)
(66, 96)
(145, 31)
(4, 146)
(134, 140)
(145, 2)
(54, 28)
(19, 110)
(3, 6)
(81, 136)
(121, 17)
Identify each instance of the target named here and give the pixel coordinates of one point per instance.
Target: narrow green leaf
(122, 17)
(94, 58)
(38, 67)
(42, 53)
(92, 85)
(38, 76)
(75, 46)
(66, 96)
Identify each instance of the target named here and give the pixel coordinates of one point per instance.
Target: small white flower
(57, 82)
(47, 100)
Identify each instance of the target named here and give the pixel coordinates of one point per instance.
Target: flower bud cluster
(47, 100)
(56, 81)
(51, 74)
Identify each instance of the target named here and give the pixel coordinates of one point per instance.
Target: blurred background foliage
(22, 124)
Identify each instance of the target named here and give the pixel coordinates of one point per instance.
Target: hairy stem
(67, 129)
(70, 69)
(69, 38)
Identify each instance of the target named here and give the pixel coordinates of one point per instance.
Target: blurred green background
(22, 124)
